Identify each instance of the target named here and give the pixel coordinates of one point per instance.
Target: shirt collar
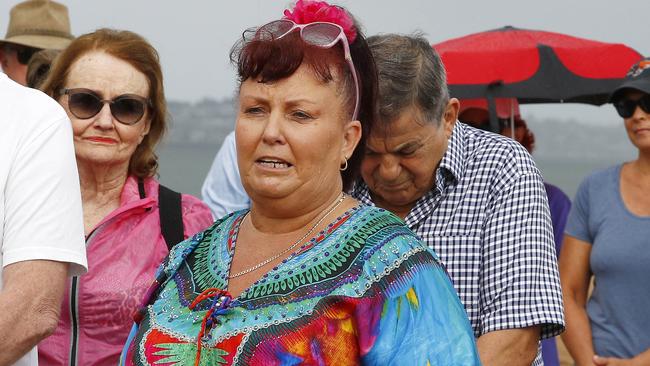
(452, 165)
(131, 193)
(361, 192)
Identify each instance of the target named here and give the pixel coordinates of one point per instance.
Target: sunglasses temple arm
(358, 93)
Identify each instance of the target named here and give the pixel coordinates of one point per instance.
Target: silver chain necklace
(295, 244)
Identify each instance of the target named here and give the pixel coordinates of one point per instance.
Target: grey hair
(410, 74)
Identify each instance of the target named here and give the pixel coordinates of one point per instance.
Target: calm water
(184, 168)
(568, 174)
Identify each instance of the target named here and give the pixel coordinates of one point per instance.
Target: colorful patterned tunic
(364, 291)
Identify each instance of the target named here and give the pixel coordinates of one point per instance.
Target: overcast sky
(194, 37)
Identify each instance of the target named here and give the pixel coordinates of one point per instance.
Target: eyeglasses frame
(145, 101)
(637, 104)
(341, 37)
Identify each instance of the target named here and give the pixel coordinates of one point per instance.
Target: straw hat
(39, 24)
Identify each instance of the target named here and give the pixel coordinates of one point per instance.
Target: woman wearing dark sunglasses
(110, 84)
(307, 275)
(608, 237)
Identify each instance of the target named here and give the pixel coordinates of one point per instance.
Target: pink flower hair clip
(309, 11)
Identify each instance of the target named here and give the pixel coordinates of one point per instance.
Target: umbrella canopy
(534, 66)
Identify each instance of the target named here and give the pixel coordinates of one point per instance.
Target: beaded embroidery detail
(362, 255)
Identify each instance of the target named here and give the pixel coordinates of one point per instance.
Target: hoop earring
(345, 165)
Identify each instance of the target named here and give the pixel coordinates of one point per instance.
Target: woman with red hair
(110, 83)
(307, 275)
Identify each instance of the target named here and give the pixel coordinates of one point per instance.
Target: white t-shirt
(40, 202)
(222, 189)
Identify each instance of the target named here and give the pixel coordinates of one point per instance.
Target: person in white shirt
(41, 226)
(222, 190)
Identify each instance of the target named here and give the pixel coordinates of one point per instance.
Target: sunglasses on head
(319, 34)
(127, 109)
(626, 107)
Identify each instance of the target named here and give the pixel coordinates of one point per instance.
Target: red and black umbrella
(534, 66)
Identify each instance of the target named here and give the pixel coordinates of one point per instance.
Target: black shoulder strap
(171, 216)
(141, 191)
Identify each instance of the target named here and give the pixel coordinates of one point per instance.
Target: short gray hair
(410, 74)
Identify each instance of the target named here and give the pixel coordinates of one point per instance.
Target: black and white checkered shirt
(488, 219)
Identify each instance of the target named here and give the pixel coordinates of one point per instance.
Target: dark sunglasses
(127, 109)
(626, 107)
(23, 54)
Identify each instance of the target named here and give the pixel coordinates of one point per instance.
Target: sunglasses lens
(644, 103)
(627, 107)
(84, 105)
(321, 34)
(273, 30)
(25, 54)
(128, 110)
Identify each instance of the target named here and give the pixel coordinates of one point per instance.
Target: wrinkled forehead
(407, 120)
(303, 82)
(408, 127)
(103, 72)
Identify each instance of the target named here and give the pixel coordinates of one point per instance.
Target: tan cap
(39, 24)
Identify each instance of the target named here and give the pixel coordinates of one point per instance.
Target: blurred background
(194, 40)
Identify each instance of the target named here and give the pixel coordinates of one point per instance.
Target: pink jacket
(124, 252)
